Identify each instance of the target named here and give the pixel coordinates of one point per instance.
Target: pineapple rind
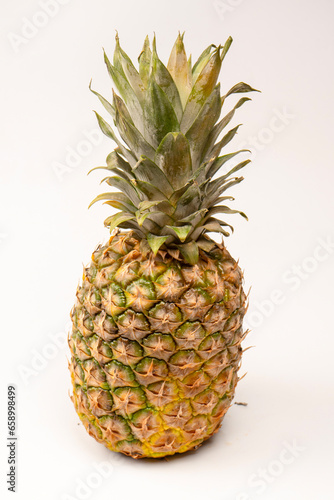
(153, 377)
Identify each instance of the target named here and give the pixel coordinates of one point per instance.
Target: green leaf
(174, 159)
(146, 170)
(226, 46)
(158, 217)
(178, 193)
(130, 72)
(212, 137)
(127, 93)
(108, 131)
(156, 242)
(214, 166)
(224, 198)
(235, 169)
(115, 196)
(141, 216)
(201, 90)
(118, 218)
(121, 108)
(131, 135)
(217, 183)
(144, 60)
(119, 173)
(195, 217)
(151, 225)
(215, 150)
(149, 190)
(114, 160)
(241, 102)
(199, 232)
(145, 205)
(106, 128)
(179, 69)
(201, 62)
(163, 208)
(104, 167)
(214, 191)
(227, 185)
(166, 82)
(104, 102)
(125, 187)
(133, 226)
(222, 209)
(188, 202)
(101, 197)
(115, 163)
(206, 244)
(190, 252)
(116, 57)
(161, 216)
(240, 88)
(129, 224)
(159, 115)
(181, 231)
(121, 202)
(215, 226)
(121, 206)
(198, 133)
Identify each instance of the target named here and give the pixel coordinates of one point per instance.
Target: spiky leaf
(179, 69)
(156, 242)
(201, 90)
(165, 81)
(129, 71)
(146, 170)
(198, 133)
(131, 135)
(118, 218)
(109, 107)
(174, 158)
(126, 187)
(190, 252)
(201, 62)
(213, 152)
(108, 131)
(181, 231)
(159, 115)
(212, 167)
(240, 88)
(127, 93)
(144, 60)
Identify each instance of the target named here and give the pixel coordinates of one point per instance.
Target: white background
(283, 47)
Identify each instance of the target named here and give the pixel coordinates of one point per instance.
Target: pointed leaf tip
(156, 242)
(181, 231)
(189, 252)
(226, 47)
(241, 87)
(178, 68)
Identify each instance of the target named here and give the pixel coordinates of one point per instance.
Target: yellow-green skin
(155, 346)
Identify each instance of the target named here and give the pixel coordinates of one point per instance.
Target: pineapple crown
(164, 165)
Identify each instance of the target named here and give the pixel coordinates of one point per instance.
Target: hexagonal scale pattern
(155, 347)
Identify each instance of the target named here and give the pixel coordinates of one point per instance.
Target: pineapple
(157, 325)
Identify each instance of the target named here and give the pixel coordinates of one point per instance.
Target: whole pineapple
(157, 325)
